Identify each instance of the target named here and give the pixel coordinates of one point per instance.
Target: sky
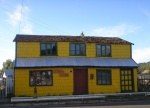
(127, 19)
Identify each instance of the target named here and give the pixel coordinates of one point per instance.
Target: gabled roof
(62, 38)
(74, 62)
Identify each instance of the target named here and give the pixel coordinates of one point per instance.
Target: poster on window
(40, 78)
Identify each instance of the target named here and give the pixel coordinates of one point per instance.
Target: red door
(80, 81)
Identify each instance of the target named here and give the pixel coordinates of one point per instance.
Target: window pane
(108, 82)
(77, 46)
(98, 49)
(103, 74)
(82, 46)
(72, 47)
(77, 52)
(49, 78)
(48, 49)
(43, 49)
(72, 52)
(99, 82)
(54, 49)
(77, 49)
(33, 77)
(82, 49)
(38, 79)
(103, 51)
(108, 50)
(103, 81)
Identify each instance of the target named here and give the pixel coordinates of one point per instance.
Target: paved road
(131, 104)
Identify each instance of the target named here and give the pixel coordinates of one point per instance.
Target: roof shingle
(62, 38)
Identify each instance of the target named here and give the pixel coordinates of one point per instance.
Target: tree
(144, 66)
(0, 70)
(8, 64)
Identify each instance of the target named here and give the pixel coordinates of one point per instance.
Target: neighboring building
(8, 80)
(66, 65)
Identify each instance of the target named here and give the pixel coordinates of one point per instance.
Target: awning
(75, 62)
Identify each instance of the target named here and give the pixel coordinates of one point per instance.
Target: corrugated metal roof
(62, 38)
(81, 62)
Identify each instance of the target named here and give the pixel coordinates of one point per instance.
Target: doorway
(80, 81)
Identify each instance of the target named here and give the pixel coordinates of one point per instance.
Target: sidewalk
(53, 100)
(74, 99)
(58, 98)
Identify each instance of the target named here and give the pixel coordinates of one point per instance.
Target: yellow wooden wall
(135, 80)
(61, 85)
(100, 89)
(63, 49)
(121, 51)
(28, 49)
(64, 85)
(32, 49)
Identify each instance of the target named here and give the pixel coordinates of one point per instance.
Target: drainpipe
(35, 91)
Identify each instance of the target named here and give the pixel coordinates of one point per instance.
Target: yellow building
(67, 65)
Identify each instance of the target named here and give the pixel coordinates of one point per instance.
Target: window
(103, 77)
(77, 49)
(103, 50)
(41, 78)
(48, 49)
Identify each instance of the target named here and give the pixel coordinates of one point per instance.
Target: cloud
(115, 31)
(19, 18)
(141, 55)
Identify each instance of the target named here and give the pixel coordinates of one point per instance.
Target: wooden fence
(144, 82)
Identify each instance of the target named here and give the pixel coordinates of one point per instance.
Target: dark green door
(126, 80)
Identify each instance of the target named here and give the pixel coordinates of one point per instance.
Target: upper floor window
(103, 50)
(48, 49)
(77, 49)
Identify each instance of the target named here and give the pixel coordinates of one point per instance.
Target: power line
(21, 16)
(36, 21)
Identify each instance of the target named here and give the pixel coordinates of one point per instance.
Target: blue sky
(127, 19)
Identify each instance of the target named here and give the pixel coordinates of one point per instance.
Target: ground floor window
(103, 77)
(41, 78)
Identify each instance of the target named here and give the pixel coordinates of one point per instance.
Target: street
(127, 104)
